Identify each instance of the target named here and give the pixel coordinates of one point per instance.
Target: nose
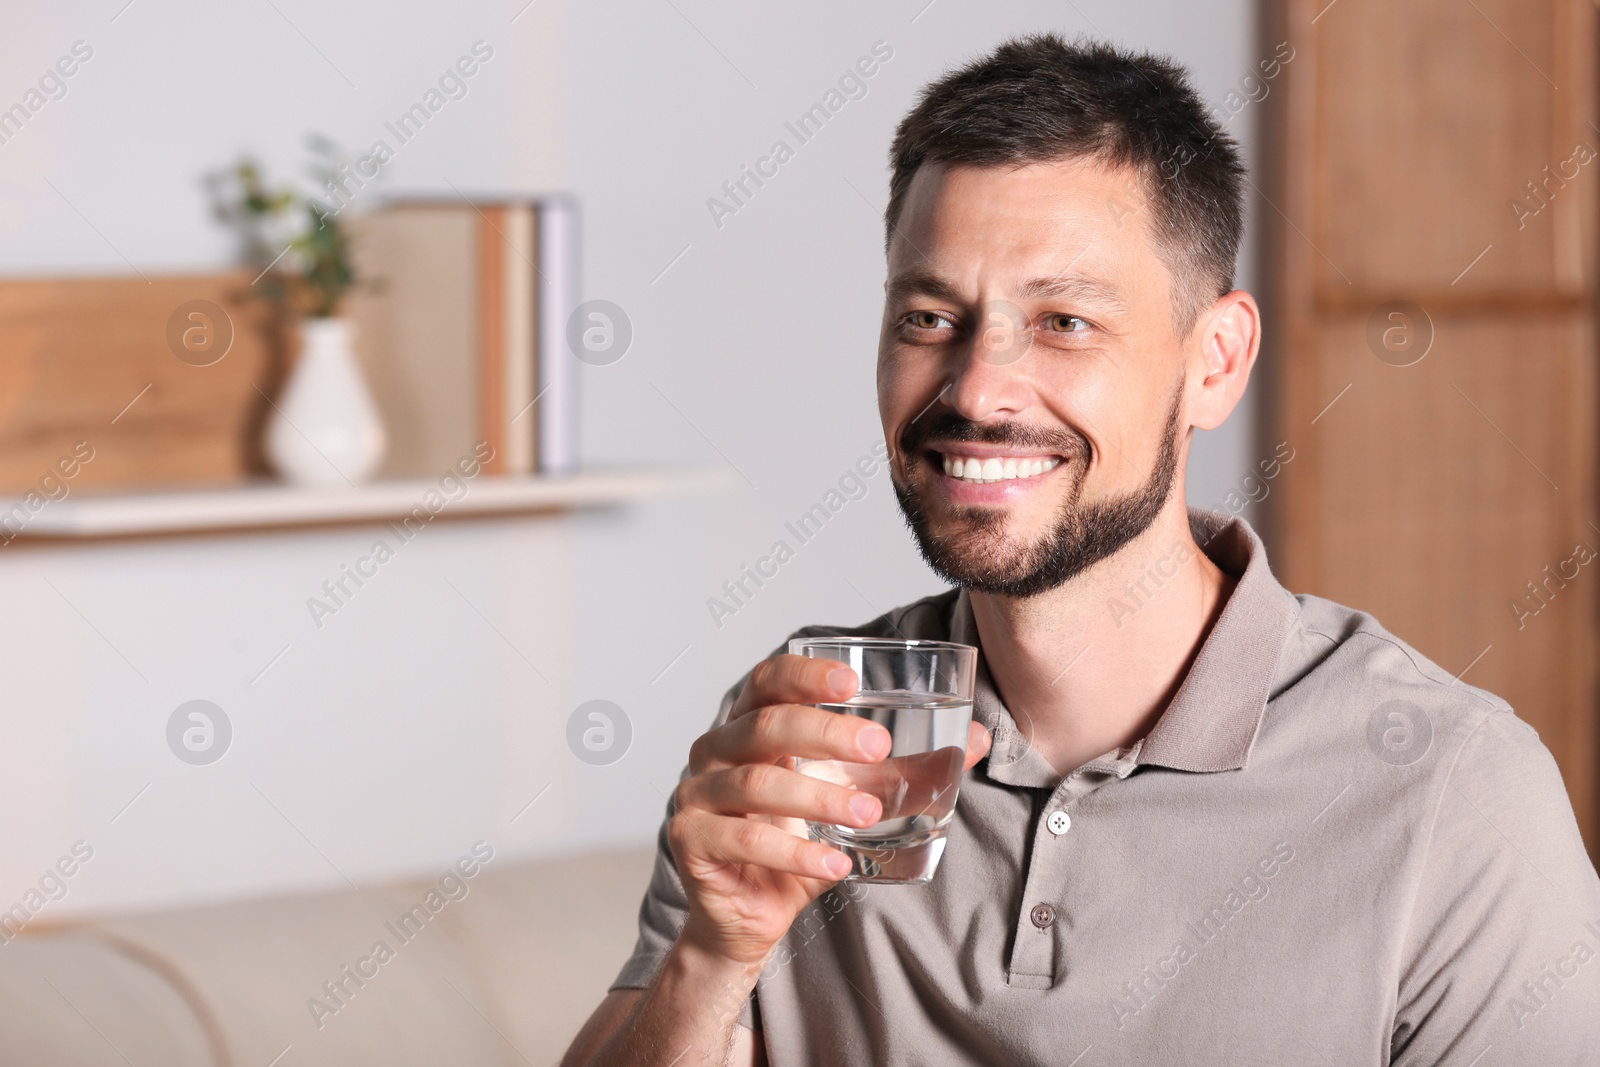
(988, 378)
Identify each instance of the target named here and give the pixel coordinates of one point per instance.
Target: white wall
(409, 725)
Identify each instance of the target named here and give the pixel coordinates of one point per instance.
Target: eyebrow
(923, 282)
(1077, 287)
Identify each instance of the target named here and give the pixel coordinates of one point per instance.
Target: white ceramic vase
(325, 429)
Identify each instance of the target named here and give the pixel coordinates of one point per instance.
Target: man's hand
(738, 835)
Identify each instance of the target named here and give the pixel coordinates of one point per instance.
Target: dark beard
(976, 556)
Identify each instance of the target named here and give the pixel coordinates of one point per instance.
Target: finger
(767, 789)
(773, 733)
(978, 744)
(904, 785)
(789, 679)
(703, 841)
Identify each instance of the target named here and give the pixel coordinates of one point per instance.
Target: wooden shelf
(270, 505)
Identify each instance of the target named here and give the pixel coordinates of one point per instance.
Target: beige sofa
(503, 971)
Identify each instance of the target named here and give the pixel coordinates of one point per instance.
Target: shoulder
(1344, 662)
(1353, 652)
(1441, 773)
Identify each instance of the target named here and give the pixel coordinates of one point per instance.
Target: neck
(1088, 667)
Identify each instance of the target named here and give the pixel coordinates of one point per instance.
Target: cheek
(1082, 393)
(1118, 417)
(907, 382)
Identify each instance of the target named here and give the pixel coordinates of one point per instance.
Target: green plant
(301, 248)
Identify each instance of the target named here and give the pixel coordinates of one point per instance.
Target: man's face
(1030, 378)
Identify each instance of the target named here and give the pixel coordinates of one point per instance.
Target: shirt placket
(1038, 950)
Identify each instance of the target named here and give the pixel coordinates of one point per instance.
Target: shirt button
(1059, 822)
(1043, 915)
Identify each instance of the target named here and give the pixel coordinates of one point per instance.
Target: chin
(987, 547)
(1030, 539)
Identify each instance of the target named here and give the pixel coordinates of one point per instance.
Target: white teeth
(994, 469)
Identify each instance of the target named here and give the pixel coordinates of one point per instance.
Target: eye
(1065, 324)
(928, 320)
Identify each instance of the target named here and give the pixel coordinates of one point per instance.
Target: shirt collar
(1211, 723)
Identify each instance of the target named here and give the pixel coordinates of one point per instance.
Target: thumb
(978, 742)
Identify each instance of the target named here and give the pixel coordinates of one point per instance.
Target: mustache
(948, 426)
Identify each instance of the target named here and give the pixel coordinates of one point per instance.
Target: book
(461, 314)
(418, 325)
(559, 297)
(519, 352)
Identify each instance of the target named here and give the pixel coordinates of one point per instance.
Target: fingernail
(864, 807)
(842, 680)
(838, 865)
(875, 742)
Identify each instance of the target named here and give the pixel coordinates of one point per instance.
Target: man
(1204, 821)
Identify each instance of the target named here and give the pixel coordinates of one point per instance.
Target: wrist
(704, 955)
(722, 982)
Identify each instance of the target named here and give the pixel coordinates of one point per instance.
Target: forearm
(688, 1017)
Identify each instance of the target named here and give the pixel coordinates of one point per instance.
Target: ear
(1223, 349)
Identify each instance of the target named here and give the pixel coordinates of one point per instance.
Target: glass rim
(906, 643)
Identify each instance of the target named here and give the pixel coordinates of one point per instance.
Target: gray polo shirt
(1327, 851)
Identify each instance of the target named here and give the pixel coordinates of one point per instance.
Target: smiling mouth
(982, 470)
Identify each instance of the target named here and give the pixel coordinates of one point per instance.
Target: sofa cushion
(546, 938)
(73, 998)
(338, 977)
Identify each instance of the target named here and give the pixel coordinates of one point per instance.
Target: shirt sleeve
(1502, 957)
(666, 906)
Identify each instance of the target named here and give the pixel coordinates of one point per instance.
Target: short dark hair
(1038, 99)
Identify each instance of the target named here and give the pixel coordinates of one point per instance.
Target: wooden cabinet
(1430, 199)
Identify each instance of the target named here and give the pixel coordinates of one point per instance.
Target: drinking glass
(921, 692)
